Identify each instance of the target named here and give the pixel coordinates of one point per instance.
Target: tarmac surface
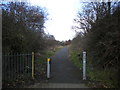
(63, 70)
(64, 74)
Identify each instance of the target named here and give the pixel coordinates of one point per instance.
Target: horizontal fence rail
(17, 66)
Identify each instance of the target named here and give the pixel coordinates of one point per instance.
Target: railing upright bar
(17, 60)
(23, 64)
(15, 66)
(9, 66)
(12, 70)
(32, 65)
(20, 67)
(7, 69)
(27, 64)
(4, 66)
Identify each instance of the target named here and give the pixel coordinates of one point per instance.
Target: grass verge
(76, 59)
(40, 71)
(96, 78)
(41, 62)
(102, 78)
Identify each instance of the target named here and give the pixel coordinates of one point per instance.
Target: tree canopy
(99, 33)
(23, 28)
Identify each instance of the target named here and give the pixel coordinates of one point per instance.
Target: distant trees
(99, 34)
(23, 28)
(68, 42)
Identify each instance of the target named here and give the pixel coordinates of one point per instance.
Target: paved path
(63, 70)
(63, 73)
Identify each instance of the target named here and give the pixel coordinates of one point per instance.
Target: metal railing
(17, 66)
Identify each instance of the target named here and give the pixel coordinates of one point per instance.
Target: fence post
(32, 65)
(48, 67)
(84, 65)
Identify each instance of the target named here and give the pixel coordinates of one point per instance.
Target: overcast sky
(61, 15)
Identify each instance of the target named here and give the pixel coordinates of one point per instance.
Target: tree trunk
(109, 7)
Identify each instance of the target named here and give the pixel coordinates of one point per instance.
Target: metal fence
(17, 66)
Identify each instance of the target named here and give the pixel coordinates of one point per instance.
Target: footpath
(63, 73)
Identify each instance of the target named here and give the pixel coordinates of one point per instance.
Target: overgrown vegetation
(22, 32)
(75, 58)
(41, 62)
(98, 34)
(23, 28)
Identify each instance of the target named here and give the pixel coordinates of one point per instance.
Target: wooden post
(32, 65)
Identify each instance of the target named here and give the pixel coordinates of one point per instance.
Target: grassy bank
(102, 78)
(73, 55)
(41, 62)
(96, 78)
(40, 70)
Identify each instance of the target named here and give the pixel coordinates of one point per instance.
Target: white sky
(61, 14)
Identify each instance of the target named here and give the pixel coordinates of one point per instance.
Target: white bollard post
(48, 68)
(84, 65)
